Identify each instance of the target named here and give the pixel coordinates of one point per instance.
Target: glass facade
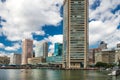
(58, 49)
(54, 59)
(75, 33)
(41, 50)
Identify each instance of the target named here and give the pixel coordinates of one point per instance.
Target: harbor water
(49, 74)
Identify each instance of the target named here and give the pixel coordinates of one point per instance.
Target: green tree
(101, 64)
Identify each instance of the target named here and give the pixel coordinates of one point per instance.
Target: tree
(101, 64)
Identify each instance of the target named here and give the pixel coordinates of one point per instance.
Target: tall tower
(75, 39)
(45, 49)
(27, 48)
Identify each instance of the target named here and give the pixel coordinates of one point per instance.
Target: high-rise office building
(75, 39)
(41, 50)
(58, 49)
(27, 48)
(45, 49)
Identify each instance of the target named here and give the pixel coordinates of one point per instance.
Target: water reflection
(2, 74)
(26, 74)
(11, 74)
(113, 78)
(46, 74)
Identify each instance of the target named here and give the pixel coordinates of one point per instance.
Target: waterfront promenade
(49, 66)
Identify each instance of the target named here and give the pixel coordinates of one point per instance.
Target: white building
(15, 59)
(41, 50)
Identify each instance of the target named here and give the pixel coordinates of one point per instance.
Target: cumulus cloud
(55, 38)
(15, 47)
(113, 39)
(103, 22)
(25, 17)
(39, 33)
(2, 45)
(3, 53)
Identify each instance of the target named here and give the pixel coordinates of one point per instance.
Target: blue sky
(43, 21)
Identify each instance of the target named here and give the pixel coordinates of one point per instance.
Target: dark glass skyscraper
(75, 45)
(58, 49)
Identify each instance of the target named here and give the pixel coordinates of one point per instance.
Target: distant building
(50, 54)
(15, 59)
(41, 50)
(4, 60)
(35, 60)
(27, 50)
(57, 57)
(45, 49)
(54, 59)
(58, 49)
(117, 55)
(118, 45)
(103, 45)
(106, 56)
(91, 55)
(96, 52)
(33, 54)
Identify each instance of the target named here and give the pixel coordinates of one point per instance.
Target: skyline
(45, 23)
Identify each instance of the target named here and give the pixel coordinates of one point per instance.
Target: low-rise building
(54, 59)
(106, 56)
(118, 45)
(91, 55)
(4, 60)
(35, 60)
(117, 55)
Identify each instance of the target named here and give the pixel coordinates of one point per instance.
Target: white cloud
(105, 7)
(113, 39)
(2, 53)
(2, 45)
(91, 2)
(54, 39)
(40, 33)
(35, 42)
(15, 47)
(25, 17)
(105, 23)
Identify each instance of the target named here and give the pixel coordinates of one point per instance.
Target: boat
(115, 72)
